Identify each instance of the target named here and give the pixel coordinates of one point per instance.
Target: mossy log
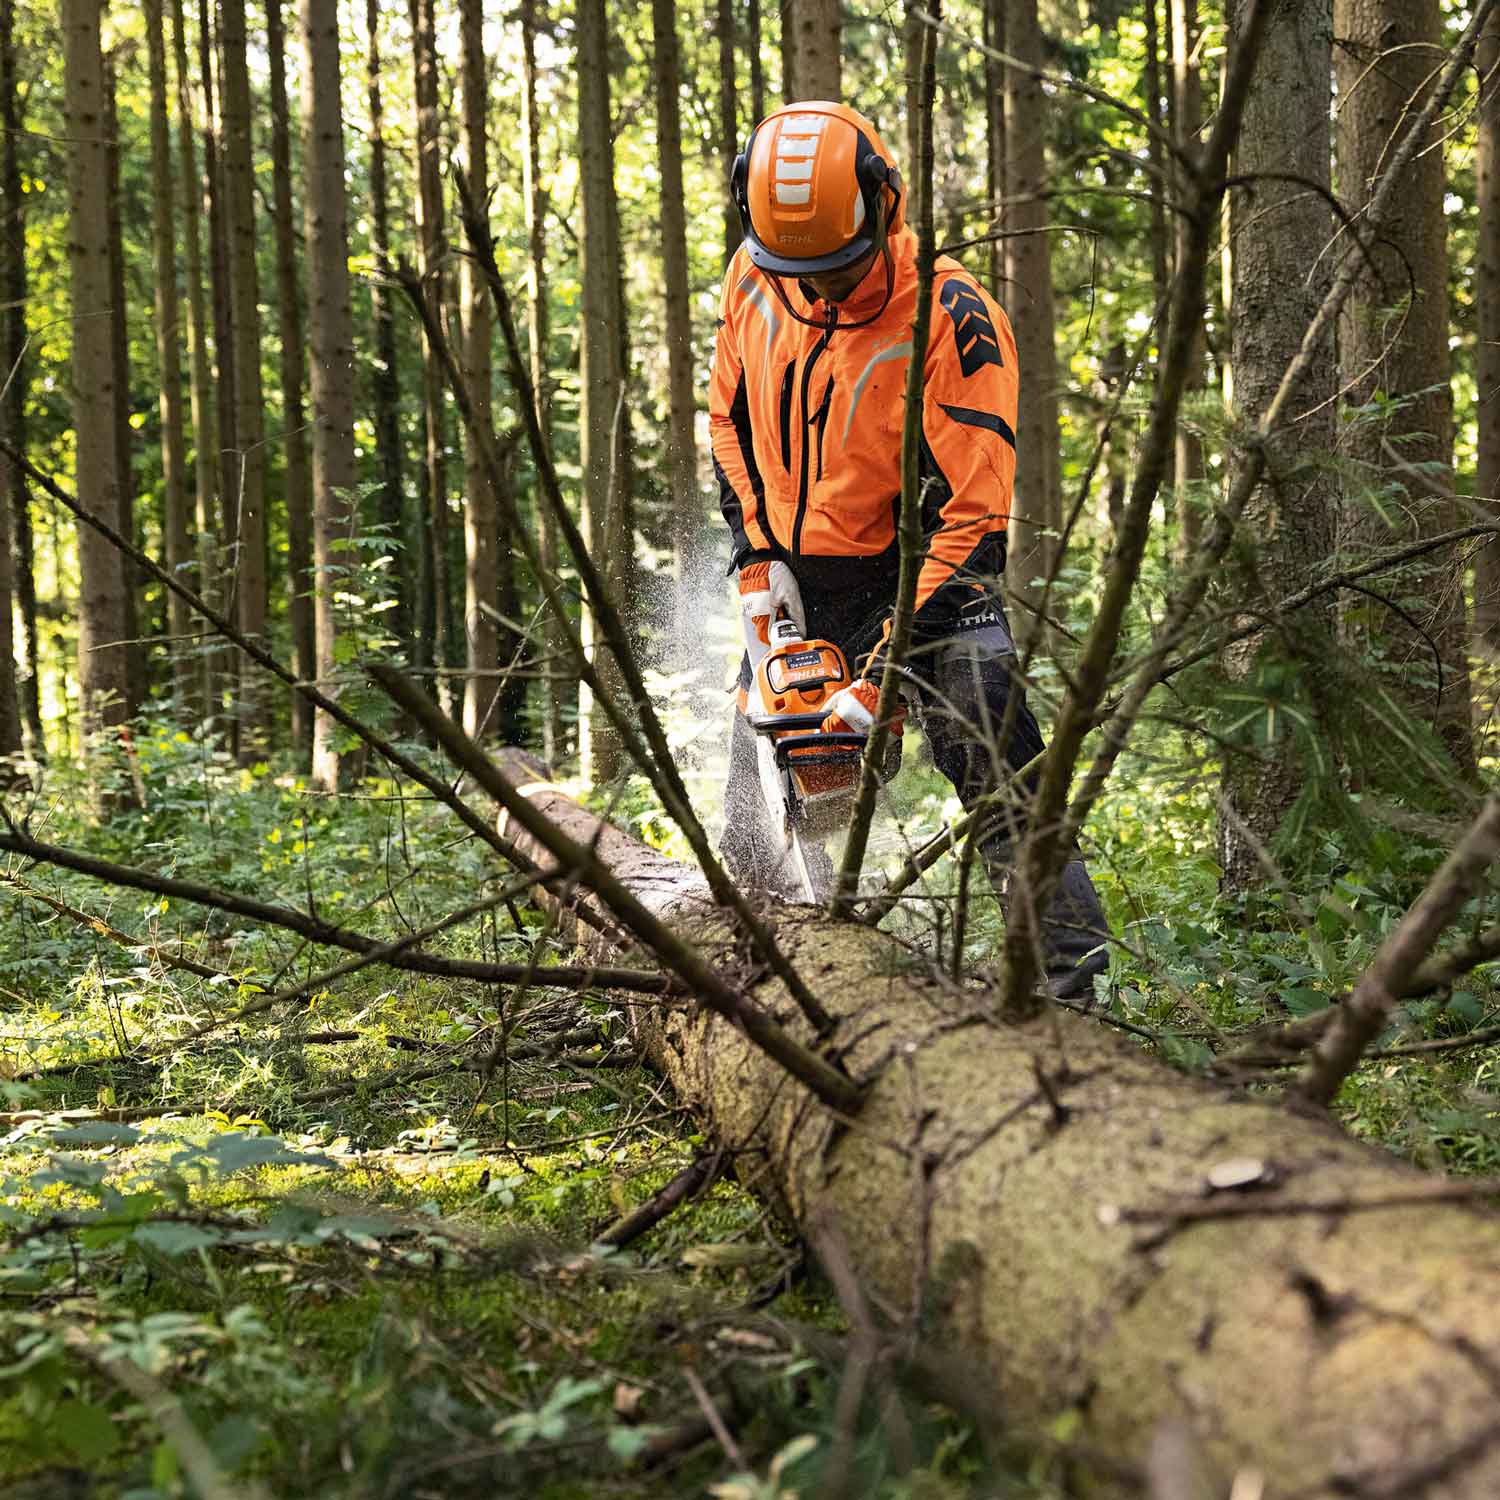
(1097, 1237)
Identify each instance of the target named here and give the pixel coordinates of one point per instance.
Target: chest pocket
(819, 420)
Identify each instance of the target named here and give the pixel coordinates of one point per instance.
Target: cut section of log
(1090, 1232)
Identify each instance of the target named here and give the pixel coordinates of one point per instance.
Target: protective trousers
(960, 688)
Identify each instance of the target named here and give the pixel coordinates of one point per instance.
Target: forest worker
(806, 404)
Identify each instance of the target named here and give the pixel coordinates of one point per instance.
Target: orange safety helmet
(809, 187)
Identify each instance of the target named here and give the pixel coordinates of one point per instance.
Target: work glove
(766, 590)
(851, 710)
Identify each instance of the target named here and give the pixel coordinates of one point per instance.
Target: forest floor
(348, 1246)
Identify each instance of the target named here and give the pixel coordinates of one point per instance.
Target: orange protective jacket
(805, 424)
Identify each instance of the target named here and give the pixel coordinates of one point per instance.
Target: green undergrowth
(347, 1246)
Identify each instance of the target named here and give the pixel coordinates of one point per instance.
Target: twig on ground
(693, 1180)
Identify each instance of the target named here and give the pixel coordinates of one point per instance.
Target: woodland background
(273, 1228)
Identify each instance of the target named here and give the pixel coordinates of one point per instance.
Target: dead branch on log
(654, 756)
(824, 1080)
(694, 1179)
(1364, 1015)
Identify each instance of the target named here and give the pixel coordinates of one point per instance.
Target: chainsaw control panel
(808, 666)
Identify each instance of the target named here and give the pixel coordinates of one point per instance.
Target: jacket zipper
(820, 421)
(807, 369)
(786, 415)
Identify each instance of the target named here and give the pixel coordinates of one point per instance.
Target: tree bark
(602, 414)
(682, 452)
(103, 689)
(1276, 225)
(1155, 155)
(331, 342)
(385, 377)
(248, 538)
(225, 665)
(201, 403)
(1037, 505)
(1050, 1207)
(176, 522)
(434, 646)
(1187, 127)
(814, 26)
(757, 62)
(554, 734)
(13, 340)
(297, 473)
(1388, 53)
(994, 146)
(482, 539)
(729, 129)
(789, 92)
(1487, 329)
(119, 359)
(10, 703)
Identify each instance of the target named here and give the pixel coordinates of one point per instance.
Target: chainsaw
(808, 774)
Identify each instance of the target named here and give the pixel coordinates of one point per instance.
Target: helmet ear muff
(739, 185)
(874, 172)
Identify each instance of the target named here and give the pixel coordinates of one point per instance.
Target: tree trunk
(1292, 514)
(119, 359)
(814, 27)
(1155, 155)
(1187, 126)
(10, 703)
(226, 663)
(1044, 1207)
(1388, 49)
(1037, 506)
(757, 62)
(682, 454)
(249, 536)
(176, 524)
(554, 734)
(601, 380)
(205, 470)
(729, 129)
(13, 340)
(103, 687)
(434, 607)
(385, 378)
(298, 476)
(994, 146)
(1487, 330)
(482, 540)
(789, 92)
(331, 341)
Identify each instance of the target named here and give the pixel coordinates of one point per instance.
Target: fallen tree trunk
(1090, 1232)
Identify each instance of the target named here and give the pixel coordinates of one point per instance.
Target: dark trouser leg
(964, 688)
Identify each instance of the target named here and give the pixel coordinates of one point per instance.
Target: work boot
(1075, 935)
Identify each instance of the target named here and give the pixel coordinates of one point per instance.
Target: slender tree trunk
(249, 537)
(385, 379)
(994, 142)
(1187, 125)
(1293, 513)
(729, 129)
(1487, 330)
(1037, 507)
(103, 687)
(205, 468)
(298, 474)
(226, 664)
(757, 63)
(119, 358)
(682, 455)
(13, 339)
(601, 380)
(10, 703)
(1155, 155)
(815, 26)
(330, 323)
(481, 508)
(430, 249)
(176, 526)
(789, 92)
(554, 735)
(1386, 63)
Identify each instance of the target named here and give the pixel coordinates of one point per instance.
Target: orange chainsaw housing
(793, 684)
